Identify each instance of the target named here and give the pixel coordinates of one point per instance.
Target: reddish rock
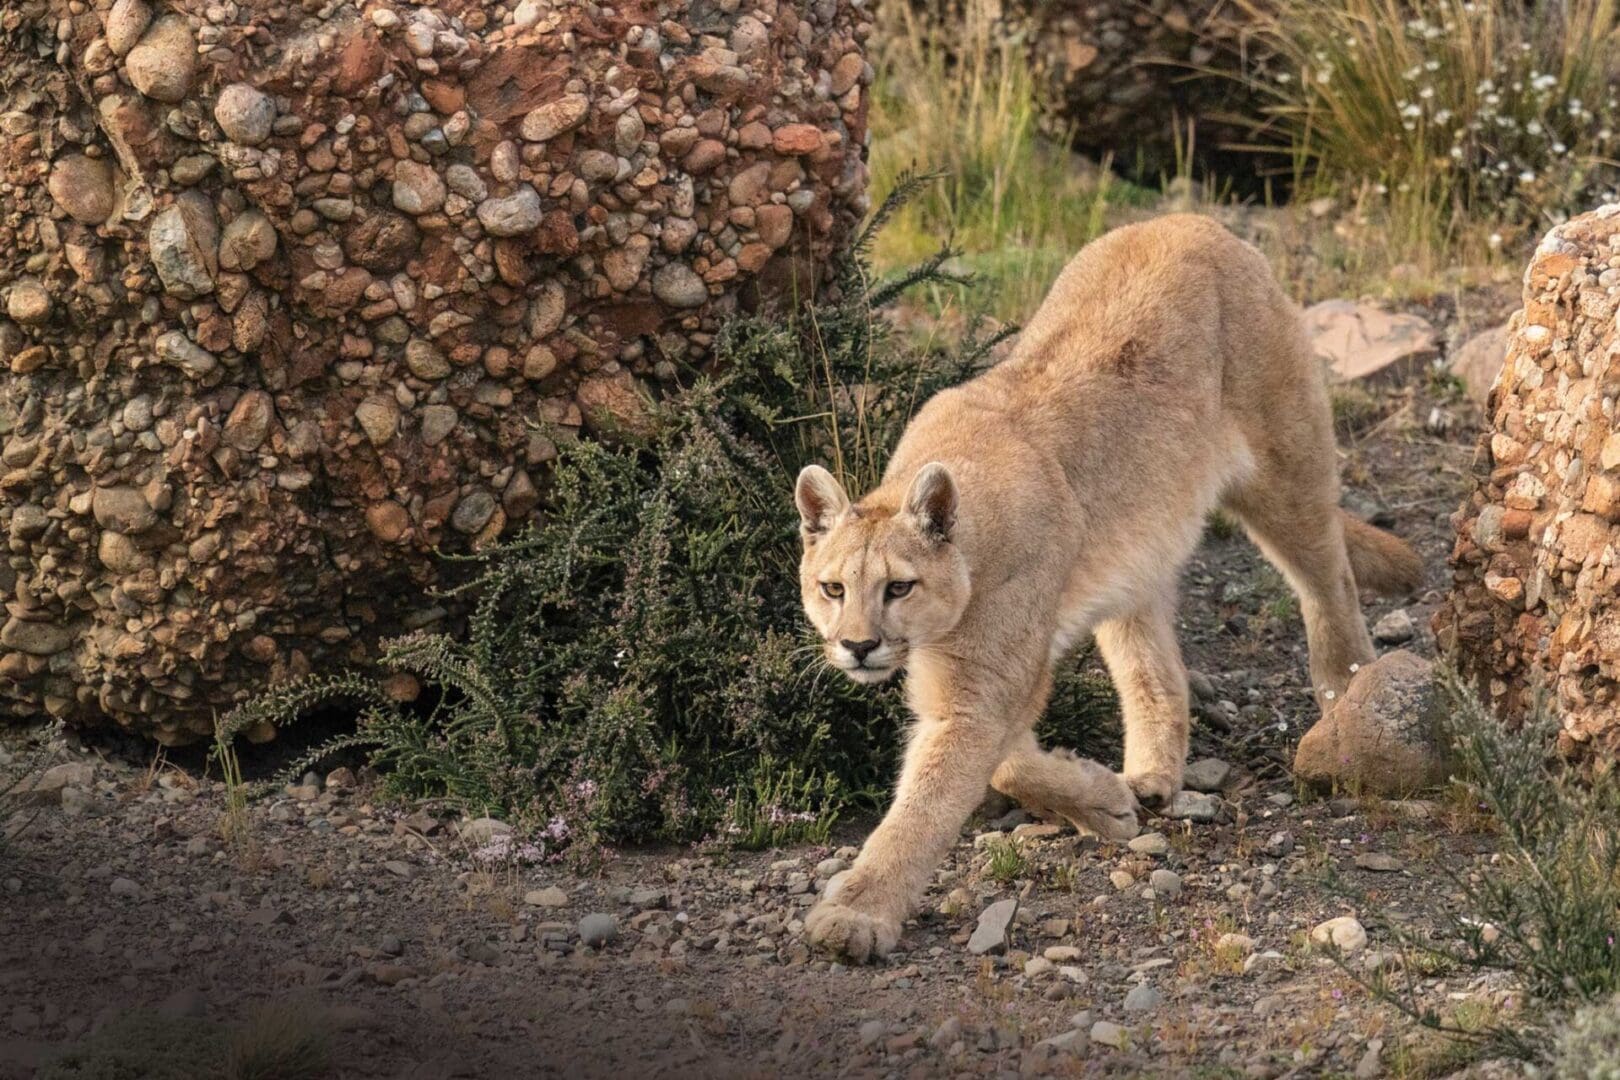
(1536, 586)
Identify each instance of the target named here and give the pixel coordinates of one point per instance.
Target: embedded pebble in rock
(418, 189)
(1142, 998)
(990, 934)
(597, 929)
(262, 250)
(677, 285)
(1396, 628)
(162, 64)
(126, 21)
(1344, 933)
(83, 187)
(245, 114)
(511, 215)
(1207, 774)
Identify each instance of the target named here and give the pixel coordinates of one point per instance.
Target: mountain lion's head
(880, 579)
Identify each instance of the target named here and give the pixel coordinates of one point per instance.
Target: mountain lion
(1058, 495)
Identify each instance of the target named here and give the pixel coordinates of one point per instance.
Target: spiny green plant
(1547, 910)
(635, 664)
(1007, 862)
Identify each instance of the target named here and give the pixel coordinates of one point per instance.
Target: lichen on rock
(292, 296)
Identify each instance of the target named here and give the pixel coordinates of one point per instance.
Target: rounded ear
(820, 498)
(931, 501)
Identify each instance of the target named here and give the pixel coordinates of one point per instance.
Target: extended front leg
(946, 769)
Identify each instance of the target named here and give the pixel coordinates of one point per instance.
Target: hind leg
(1144, 660)
(1303, 537)
(1087, 794)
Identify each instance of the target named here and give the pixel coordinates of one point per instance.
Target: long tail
(1382, 561)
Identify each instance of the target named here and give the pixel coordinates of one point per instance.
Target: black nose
(860, 649)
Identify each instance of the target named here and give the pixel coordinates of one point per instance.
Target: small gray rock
(1207, 774)
(1166, 883)
(1396, 628)
(1152, 843)
(1143, 998)
(1194, 806)
(1108, 1033)
(597, 929)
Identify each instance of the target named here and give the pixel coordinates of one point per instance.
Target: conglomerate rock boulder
(293, 294)
(1536, 599)
(1126, 78)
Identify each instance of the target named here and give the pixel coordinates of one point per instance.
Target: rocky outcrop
(292, 296)
(1127, 79)
(1536, 598)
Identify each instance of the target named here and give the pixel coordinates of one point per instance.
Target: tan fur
(1056, 496)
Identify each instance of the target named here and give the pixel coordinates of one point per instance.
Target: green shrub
(635, 665)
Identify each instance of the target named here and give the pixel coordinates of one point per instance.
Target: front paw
(1154, 790)
(1105, 804)
(844, 931)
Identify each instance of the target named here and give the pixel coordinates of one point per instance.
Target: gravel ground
(1187, 952)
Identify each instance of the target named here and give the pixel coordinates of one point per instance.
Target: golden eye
(897, 589)
(832, 590)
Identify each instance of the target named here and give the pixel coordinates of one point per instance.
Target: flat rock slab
(990, 936)
(1359, 340)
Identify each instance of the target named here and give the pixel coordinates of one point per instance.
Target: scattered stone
(1062, 954)
(1151, 843)
(549, 897)
(597, 929)
(990, 935)
(1207, 774)
(1361, 340)
(124, 887)
(1194, 806)
(1279, 844)
(1344, 933)
(1384, 736)
(1109, 1033)
(1378, 862)
(1394, 629)
(1142, 998)
(1121, 879)
(1165, 883)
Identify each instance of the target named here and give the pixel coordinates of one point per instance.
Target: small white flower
(1527, 177)
(1426, 93)
(1443, 116)
(1494, 241)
